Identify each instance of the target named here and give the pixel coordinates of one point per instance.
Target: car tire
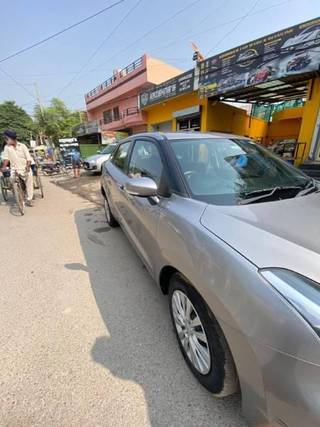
(109, 216)
(220, 377)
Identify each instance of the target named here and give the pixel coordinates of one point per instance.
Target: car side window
(120, 157)
(146, 161)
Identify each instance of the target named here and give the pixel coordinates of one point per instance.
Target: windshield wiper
(271, 193)
(311, 187)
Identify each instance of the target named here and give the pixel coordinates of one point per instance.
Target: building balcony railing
(132, 111)
(126, 117)
(111, 80)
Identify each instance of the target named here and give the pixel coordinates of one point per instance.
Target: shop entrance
(189, 123)
(278, 103)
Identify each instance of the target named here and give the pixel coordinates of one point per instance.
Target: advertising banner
(293, 51)
(176, 86)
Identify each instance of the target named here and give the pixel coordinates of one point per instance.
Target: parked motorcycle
(53, 168)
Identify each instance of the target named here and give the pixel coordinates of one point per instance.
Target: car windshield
(109, 149)
(226, 171)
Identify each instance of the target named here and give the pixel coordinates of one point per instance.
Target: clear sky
(52, 65)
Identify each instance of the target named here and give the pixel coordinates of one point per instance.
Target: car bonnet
(96, 157)
(283, 233)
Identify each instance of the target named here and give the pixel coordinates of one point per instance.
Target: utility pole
(36, 88)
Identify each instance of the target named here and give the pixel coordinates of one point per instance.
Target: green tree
(16, 118)
(55, 121)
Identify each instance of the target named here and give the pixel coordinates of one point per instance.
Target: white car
(307, 38)
(94, 163)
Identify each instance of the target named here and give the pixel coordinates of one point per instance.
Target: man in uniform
(20, 160)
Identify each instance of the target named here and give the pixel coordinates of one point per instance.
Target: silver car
(231, 234)
(94, 163)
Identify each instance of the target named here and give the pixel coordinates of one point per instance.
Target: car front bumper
(90, 166)
(292, 389)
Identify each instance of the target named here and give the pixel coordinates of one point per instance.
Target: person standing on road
(75, 158)
(20, 160)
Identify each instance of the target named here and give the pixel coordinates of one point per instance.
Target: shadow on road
(142, 346)
(87, 186)
(12, 206)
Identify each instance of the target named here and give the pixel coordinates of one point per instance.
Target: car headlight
(301, 292)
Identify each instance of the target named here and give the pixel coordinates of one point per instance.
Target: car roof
(161, 136)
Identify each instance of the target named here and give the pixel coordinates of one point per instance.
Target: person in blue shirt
(76, 163)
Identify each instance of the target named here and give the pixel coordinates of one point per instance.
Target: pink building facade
(113, 105)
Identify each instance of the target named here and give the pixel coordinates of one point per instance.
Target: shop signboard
(174, 87)
(290, 52)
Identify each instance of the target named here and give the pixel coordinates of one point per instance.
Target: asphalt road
(85, 335)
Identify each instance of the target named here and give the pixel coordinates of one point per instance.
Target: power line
(42, 74)
(190, 29)
(192, 34)
(99, 47)
(177, 40)
(17, 83)
(183, 38)
(240, 17)
(40, 42)
(148, 32)
(234, 27)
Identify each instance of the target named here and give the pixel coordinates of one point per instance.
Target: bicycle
(5, 184)
(19, 191)
(37, 183)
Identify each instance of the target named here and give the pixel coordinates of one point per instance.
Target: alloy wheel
(191, 332)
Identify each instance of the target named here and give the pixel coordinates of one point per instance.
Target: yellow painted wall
(288, 113)
(283, 129)
(309, 118)
(226, 118)
(219, 118)
(285, 125)
(164, 112)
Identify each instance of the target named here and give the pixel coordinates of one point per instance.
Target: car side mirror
(141, 187)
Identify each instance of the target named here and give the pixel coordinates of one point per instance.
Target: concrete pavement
(85, 335)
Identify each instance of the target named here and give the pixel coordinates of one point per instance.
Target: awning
(284, 89)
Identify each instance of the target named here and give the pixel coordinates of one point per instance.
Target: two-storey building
(113, 105)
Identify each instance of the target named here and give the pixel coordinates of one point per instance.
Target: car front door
(143, 212)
